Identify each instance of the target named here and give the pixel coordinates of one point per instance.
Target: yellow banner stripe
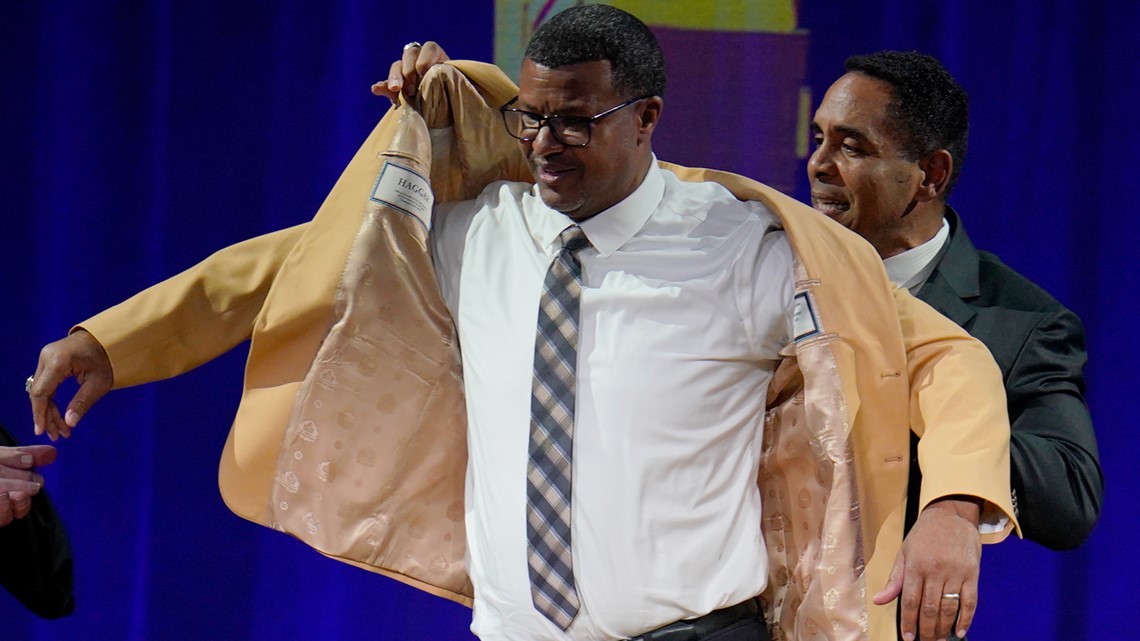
(777, 16)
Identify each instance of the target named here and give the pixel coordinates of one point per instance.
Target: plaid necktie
(552, 436)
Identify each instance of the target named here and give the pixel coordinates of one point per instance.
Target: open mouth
(830, 206)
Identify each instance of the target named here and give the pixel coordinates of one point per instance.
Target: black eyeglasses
(572, 131)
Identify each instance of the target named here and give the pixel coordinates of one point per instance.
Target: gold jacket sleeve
(958, 410)
(192, 317)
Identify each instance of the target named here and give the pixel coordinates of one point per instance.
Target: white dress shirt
(686, 301)
(911, 269)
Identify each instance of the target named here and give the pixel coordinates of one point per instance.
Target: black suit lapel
(954, 281)
(940, 295)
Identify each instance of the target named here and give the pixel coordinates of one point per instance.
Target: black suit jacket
(35, 557)
(1040, 347)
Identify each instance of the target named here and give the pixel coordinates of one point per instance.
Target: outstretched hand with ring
(78, 356)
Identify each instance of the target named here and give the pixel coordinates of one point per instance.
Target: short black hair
(929, 108)
(600, 32)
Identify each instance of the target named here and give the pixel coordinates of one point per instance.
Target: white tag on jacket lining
(805, 321)
(406, 190)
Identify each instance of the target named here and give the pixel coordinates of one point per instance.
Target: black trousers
(746, 630)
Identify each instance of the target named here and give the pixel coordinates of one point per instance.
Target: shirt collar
(911, 268)
(614, 227)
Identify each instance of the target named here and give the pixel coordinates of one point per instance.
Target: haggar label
(406, 190)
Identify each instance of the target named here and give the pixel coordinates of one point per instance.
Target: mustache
(551, 167)
(553, 161)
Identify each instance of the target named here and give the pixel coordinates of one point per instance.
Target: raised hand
(405, 73)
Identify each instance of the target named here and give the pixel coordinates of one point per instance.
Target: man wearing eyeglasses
(659, 232)
(683, 296)
(558, 117)
(640, 343)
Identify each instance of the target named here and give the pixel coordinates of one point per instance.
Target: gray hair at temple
(600, 32)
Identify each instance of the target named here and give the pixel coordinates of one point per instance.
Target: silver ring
(28, 384)
(411, 45)
(951, 595)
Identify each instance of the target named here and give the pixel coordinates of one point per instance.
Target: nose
(819, 164)
(545, 142)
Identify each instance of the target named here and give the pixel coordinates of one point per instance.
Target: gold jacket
(350, 434)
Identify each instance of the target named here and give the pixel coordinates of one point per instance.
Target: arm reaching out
(963, 451)
(163, 331)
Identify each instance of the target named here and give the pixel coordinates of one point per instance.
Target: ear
(937, 166)
(648, 117)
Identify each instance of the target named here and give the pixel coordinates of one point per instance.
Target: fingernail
(961, 634)
(393, 85)
(909, 636)
(37, 429)
(72, 418)
(35, 486)
(26, 459)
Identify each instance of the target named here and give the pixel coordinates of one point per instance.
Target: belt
(693, 629)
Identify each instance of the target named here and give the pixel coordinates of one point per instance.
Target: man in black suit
(35, 555)
(890, 138)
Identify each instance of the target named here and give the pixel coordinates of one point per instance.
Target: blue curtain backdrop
(138, 137)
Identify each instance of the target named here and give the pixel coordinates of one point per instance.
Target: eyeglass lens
(567, 130)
